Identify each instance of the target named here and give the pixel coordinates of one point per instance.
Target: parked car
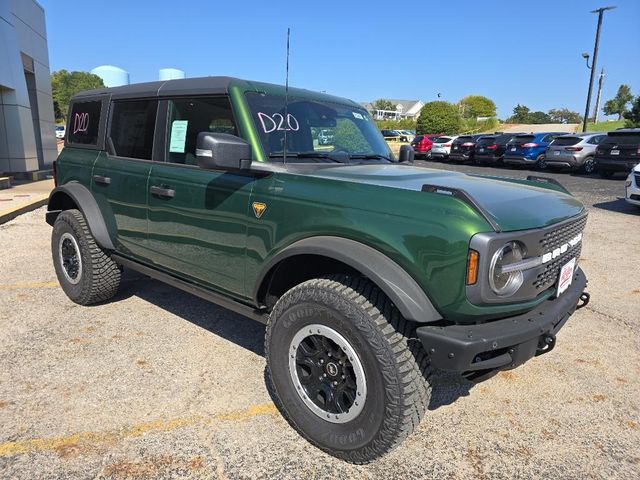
(325, 137)
(369, 274)
(576, 152)
(619, 152)
(394, 134)
(441, 148)
(60, 131)
(490, 149)
(529, 149)
(422, 144)
(633, 187)
(409, 134)
(463, 148)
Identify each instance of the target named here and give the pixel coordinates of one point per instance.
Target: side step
(237, 307)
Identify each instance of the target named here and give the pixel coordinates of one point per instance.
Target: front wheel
(541, 162)
(343, 369)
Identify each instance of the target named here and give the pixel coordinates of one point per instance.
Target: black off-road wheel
(86, 273)
(344, 369)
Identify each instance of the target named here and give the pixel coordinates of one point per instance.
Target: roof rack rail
(463, 196)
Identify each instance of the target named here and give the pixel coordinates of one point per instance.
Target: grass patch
(604, 126)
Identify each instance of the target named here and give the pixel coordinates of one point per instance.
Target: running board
(213, 297)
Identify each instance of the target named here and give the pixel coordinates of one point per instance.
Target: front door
(120, 177)
(198, 218)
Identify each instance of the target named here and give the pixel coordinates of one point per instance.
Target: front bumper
(479, 350)
(615, 165)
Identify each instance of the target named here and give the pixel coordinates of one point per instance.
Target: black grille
(637, 180)
(552, 240)
(562, 235)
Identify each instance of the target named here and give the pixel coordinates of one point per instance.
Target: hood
(514, 204)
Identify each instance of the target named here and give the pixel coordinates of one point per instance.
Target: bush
(404, 124)
(633, 116)
(439, 117)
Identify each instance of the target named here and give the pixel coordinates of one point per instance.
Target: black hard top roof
(200, 86)
(205, 85)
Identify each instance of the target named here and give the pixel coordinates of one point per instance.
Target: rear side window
(523, 139)
(84, 122)
(566, 141)
(486, 140)
(418, 138)
(442, 140)
(132, 126)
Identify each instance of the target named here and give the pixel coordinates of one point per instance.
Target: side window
(597, 139)
(187, 117)
(132, 125)
(83, 123)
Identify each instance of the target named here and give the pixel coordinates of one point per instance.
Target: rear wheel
(86, 273)
(588, 166)
(541, 162)
(343, 369)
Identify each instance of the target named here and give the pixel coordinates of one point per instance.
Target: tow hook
(584, 298)
(546, 343)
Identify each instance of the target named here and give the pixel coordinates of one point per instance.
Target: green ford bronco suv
(369, 272)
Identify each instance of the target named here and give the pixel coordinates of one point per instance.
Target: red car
(422, 144)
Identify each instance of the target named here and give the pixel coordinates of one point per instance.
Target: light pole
(600, 12)
(598, 95)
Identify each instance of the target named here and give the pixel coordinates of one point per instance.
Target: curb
(36, 203)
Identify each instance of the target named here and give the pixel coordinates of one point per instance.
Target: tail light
(638, 151)
(529, 145)
(55, 173)
(467, 144)
(447, 144)
(491, 147)
(573, 149)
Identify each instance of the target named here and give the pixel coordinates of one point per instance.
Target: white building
(27, 124)
(404, 109)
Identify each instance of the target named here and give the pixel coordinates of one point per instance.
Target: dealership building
(27, 125)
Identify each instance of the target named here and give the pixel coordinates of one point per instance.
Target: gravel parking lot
(161, 384)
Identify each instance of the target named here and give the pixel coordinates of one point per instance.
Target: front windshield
(316, 130)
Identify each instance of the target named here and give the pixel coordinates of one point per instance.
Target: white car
(633, 187)
(441, 147)
(60, 131)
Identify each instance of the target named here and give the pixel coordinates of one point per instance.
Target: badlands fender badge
(259, 208)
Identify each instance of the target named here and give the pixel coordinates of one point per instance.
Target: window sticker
(178, 136)
(358, 115)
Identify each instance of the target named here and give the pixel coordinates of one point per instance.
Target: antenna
(286, 102)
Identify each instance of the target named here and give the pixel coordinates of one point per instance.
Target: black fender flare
(391, 278)
(86, 203)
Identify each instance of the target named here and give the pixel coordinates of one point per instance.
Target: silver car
(574, 151)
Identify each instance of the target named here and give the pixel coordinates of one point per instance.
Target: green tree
(520, 114)
(65, 85)
(618, 104)
(633, 115)
(382, 104)
(564, 115)
(347, 136)
(474, 106)
(539, 117)
(439, 117)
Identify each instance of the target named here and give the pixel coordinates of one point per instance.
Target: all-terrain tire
(98, 277)
(396, 367)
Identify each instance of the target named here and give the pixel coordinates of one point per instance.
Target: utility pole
(597, 108)
(600, 12)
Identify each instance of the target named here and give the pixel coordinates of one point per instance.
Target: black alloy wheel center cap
(332, 369)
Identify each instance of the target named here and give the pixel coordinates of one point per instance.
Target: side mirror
(406, 154)
(216, 151)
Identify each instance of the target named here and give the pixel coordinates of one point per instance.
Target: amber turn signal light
(472, 267)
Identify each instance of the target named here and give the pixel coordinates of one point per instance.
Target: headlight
(629, 180)
(506, 284)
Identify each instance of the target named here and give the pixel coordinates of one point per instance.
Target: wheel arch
(74, 195)
(357, 258)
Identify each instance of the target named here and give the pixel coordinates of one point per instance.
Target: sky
(510, 51)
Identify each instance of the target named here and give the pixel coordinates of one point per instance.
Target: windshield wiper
(369, 156)
(323, 155)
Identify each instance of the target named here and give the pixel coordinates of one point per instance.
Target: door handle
(163, 192)
(102, 180)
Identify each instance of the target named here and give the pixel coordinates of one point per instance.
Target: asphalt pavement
(160, 384)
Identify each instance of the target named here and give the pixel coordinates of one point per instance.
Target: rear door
(514, 147)
(558, 147)
(120, 175)
(621, 145)
(198, 218)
